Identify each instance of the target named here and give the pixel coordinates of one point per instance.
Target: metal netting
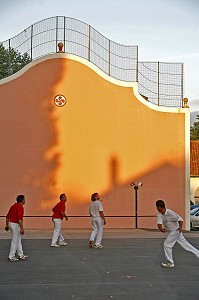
(76, 37)
(124, 62)
(99, 50)
(44, 37)
(161, 83)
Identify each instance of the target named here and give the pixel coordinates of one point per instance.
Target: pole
(136, 206)
(158, 83)
(89, 43)
(57, 20)
(137, 66)
(136, 187)
(182, 83)
(9, 60)
(31, 41)
(64, 34)
(109, 57)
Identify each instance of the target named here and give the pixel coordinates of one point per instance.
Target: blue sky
(164, 30)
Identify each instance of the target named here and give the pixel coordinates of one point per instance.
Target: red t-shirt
(58, 209)
(15, 213)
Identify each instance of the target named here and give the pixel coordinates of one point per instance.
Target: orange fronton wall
(105, 137)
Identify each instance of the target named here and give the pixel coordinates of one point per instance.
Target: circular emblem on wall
(60, 100)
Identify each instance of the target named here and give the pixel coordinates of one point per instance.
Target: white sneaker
(55, 245)
(99, 246)
(23, 257)
(63, 243)
(13, 259)
(168, 265)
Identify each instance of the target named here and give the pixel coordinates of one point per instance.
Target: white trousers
(97, 230)
(172, 238)
(16, 245)
(57, 236)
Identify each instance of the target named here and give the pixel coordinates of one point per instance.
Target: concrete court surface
(128, 267)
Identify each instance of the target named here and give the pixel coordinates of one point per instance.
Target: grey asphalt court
(128, 267)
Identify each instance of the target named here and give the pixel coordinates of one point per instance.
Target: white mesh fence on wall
(161, 83)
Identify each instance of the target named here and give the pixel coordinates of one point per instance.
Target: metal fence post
(158, 83)
(9, 61)
(64, 34)
(56, 34)
(109, 57)
(89, 42)
(31, 41)
(182, 84)
(137, 65)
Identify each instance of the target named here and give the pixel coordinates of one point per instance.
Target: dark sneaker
(90, 244)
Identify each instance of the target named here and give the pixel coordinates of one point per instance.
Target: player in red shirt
(14, 222)
(58, 215)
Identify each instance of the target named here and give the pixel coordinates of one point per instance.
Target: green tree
(194, 130)
(11, 61)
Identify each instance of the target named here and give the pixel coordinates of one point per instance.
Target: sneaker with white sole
(23, 257)
(63, 243)
(55, 245)
(13, 259)
(99, 246)
(168, 265)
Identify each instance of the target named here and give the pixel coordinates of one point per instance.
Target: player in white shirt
(168, 220)
(98, 221)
